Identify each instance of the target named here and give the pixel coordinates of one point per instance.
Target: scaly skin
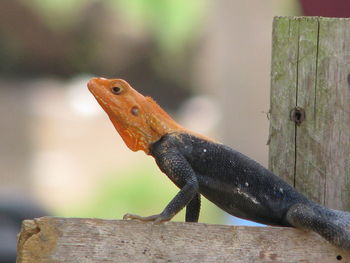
(201, 166)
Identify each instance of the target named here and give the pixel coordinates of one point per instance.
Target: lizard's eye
(116, 90)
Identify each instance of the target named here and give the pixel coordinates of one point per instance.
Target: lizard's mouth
(96, 87)
(93, 85)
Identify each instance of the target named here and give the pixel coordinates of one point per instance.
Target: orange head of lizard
(138, 119)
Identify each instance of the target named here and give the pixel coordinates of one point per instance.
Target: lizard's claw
(155, 218)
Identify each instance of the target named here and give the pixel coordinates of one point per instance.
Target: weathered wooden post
(309, 147)
(310, 107)
(71, 240)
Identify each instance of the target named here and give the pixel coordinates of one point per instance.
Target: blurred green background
(204, 61)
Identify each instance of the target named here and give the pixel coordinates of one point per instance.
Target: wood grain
(283, 97)
(69, 240)
(310, 70)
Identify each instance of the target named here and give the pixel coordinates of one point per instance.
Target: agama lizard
(200, 166)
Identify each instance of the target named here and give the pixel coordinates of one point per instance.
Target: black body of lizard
(241, 187)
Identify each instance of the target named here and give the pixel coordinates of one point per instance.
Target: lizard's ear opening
(135, 111)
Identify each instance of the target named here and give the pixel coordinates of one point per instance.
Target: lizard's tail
(331, 224)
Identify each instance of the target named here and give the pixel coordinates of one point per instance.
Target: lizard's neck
(152, 123)
(159, 121)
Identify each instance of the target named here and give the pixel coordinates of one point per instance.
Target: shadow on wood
(50, 239)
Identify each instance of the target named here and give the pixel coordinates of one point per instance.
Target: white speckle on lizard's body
(205, 150)
(246, 195)
(281, 190)
(246, 184)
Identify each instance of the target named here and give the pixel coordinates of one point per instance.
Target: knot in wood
(297, 115)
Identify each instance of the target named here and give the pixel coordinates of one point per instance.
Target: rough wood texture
(310, 69)
(50, 239)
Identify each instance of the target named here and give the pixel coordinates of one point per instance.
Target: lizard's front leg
(193, 209)
(179, 171)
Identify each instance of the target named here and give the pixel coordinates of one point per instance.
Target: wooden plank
(321, 145)
(50, 239)
(283, 97)
(309, 176)
(333, 109)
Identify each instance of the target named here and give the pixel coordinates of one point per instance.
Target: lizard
(199, 165)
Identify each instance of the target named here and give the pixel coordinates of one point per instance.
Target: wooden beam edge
(53, 239)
